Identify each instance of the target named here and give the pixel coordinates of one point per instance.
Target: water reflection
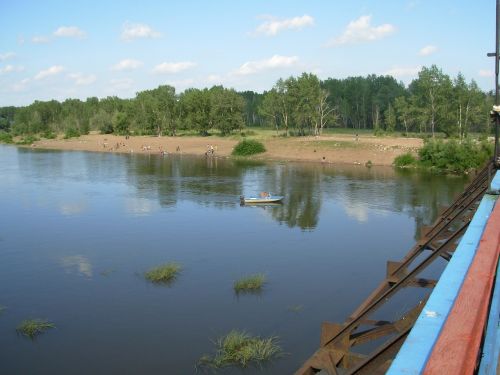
(214, 182)
(72, 208)
(77, 264)
(219, 182)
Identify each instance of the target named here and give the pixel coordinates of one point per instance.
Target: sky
(78, 49)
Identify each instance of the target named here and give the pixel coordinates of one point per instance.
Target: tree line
(302, 105)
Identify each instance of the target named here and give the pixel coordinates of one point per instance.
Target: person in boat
(265, 194)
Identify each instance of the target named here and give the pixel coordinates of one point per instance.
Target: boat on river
(262, 199)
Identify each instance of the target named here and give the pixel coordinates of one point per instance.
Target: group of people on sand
(210, 150)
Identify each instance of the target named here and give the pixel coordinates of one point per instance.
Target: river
(78, 230)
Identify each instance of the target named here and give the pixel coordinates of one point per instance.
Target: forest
(432, 103)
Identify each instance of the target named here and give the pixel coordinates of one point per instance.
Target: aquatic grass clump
(166, 273)
(2, 309)
(250, 284)
(239, 348)
(34, 327)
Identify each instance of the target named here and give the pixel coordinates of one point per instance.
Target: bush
(5, 137)
(405, 160)
(71, 133)
(454, 156)
(48, 134)
(27, 140)
(248, 147)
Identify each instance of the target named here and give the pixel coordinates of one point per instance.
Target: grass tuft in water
(2, 309)
(165, 273)
(34, 327)
(107, 272)
(295, 308)
(249, 284)
(238, 348)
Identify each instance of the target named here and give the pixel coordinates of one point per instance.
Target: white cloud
(121, 84)
(127, 64)
(274, 26)
(138, 30)
(6, 56)
(40, 39)
(427, 50)
(277, 61)
(11, 69)
(82, 79)
(21, 85)
(361, 30)
(399, 72)
(53, 70)
(69, 32)
(214, 78)
(486, 73)
(173, 67)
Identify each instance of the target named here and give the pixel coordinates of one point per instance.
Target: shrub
(33, 327)
(5, 137)
(71, 133)
(165, 273)
(454, 156)
(238, 348)
(27, 140)
(405, 160)
(248, 147)
(48, 134)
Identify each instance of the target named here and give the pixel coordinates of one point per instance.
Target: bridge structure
(450, 321)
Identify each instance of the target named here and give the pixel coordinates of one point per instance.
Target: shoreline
(332, 149)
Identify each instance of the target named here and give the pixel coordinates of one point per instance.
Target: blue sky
(61, 49)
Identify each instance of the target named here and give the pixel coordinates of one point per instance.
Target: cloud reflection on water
(77, 264)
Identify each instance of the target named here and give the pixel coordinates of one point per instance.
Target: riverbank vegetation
(248, 147)
(166, 273)
(238, 348)
(34, 327)
(249, 284)
(432, 103)
(448, 156)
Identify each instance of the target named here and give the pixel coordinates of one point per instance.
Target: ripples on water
(78, 230)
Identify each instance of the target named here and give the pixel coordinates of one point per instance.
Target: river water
(78, 230)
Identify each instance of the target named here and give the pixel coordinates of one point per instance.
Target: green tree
(121, 123)
(226, 109)
(390, 119)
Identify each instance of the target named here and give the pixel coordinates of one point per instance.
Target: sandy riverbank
(337, 149)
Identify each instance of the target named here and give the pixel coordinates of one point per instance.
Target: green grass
(238, 348)
(248, 147)
(166, 273)
(34, 327)
(336, 144)
(249, 284)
